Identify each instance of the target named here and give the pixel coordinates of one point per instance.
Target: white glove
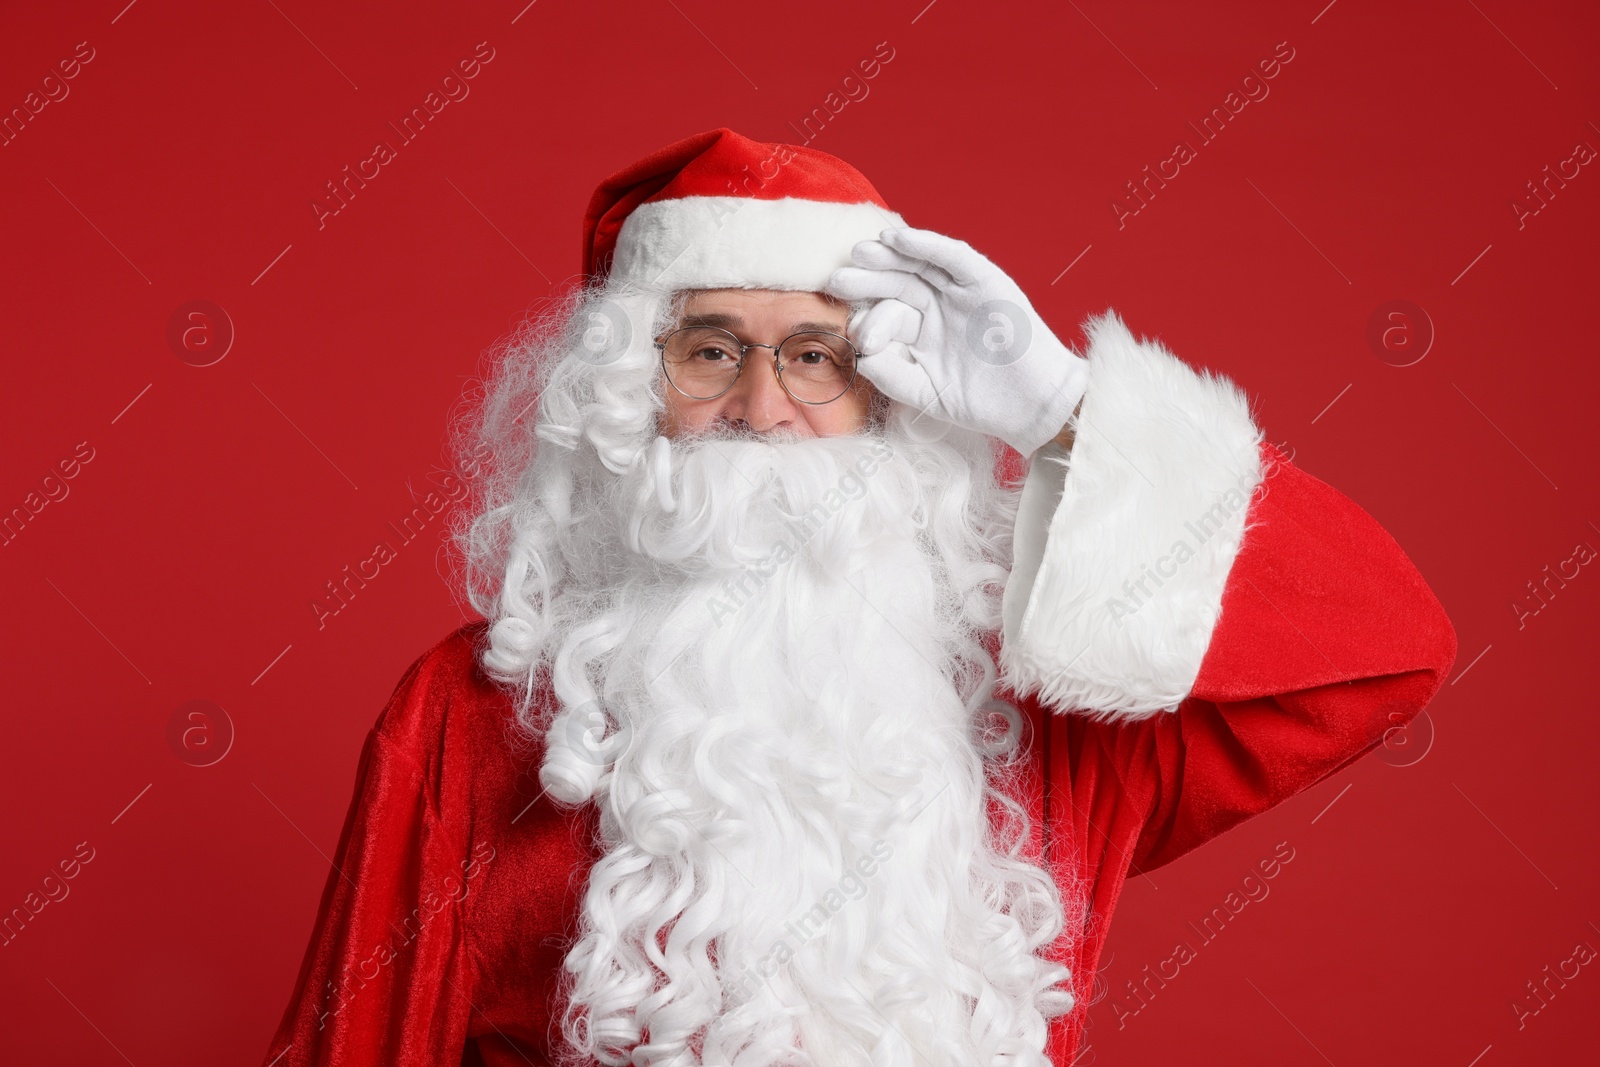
(951, 334)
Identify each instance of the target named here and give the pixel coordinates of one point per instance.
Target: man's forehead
(748, 298)
(736, 322)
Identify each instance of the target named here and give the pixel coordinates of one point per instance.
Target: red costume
(442, 929)
(1193, 629)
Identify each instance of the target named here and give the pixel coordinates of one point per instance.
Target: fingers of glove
(960, 260)
(879, 256)
(885, 322)
(898, 378)
(859, 283)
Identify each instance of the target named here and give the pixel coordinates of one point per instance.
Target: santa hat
(720, 211)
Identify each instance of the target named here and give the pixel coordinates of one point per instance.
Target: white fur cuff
(1123, 548)
(714, 242)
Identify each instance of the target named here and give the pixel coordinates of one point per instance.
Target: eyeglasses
(703, 362)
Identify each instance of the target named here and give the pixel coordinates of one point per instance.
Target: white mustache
(723, 503)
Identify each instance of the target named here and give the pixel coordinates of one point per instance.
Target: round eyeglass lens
(701, 361)
(817, 367)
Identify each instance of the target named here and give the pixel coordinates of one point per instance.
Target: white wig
(597, 551)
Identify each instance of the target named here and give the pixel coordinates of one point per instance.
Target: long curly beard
(770, 685)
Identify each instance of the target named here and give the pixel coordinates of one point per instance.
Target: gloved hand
(951, 334)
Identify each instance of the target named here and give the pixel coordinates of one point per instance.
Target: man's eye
(713, 354)
(814, 357)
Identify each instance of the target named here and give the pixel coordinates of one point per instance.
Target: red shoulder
(445, 677)
(452, 664)
(456, 725)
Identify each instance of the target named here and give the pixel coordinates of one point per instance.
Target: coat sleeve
(1221, 629)
(386, 978)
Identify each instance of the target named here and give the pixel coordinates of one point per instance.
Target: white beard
(777, 724)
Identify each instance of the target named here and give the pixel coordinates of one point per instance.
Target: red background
(181, 566)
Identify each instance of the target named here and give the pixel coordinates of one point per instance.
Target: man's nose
(758, 397)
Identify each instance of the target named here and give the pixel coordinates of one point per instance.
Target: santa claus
(796, 731)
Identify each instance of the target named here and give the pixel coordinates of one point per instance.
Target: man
(844, 745)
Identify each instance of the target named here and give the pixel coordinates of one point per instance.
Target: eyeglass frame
(777, 367)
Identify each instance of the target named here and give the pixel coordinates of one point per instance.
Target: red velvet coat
(441, 931)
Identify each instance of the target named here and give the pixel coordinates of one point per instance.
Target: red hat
(720, 211)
